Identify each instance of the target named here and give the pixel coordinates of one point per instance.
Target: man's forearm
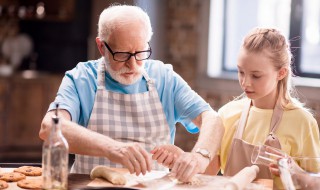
(84, 141)
(80, 139)
(211, 133)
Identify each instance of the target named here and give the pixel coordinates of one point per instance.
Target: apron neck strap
(101, 73)
(243, 120)
(150, 82)
(276, 116)
(275, 120)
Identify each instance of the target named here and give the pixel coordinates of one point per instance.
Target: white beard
(116, 75)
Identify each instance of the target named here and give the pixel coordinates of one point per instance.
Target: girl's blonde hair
(273, 44)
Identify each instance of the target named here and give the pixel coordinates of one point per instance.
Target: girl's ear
(282, 73)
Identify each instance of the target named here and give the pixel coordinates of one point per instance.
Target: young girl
(267, 112)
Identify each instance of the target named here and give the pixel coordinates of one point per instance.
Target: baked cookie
(35, 183)
(12, 176)
(3, 184)
(29, 170)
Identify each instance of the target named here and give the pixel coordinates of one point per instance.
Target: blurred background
(41, 39)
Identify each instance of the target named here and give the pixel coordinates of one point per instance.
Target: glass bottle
(55, 152)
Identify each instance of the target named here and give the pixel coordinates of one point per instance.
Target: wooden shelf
(30, 10)
(25, 102)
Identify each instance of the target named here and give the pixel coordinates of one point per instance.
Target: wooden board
(161, 180)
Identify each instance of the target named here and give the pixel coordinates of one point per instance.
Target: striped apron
(126, 118)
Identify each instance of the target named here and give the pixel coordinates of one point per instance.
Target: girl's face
(258, 78)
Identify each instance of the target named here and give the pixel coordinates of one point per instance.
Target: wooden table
(152, 180)
(160, 180)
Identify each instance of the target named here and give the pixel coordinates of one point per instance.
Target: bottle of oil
(55, 154)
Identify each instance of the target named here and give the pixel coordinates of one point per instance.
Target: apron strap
(243, 120)
(276, 116)
(272, 139)
(150, 82)
(101, 73)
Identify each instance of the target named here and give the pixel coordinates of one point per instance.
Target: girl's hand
(166, 154)
(274, 169)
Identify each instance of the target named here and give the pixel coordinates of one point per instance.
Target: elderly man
(118, 108)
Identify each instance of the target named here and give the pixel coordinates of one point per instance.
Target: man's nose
(131, 63)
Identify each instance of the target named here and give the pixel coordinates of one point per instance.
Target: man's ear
(100, 46)
(282, 73)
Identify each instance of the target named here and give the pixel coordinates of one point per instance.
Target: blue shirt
(180, 103)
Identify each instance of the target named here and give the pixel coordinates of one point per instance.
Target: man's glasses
(125, 56)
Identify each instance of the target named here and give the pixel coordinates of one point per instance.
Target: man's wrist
(205, 153)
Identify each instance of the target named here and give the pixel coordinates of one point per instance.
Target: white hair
(117, 15)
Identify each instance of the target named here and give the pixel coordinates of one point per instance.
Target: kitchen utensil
(285, 174)
(242, 178)
(265, 155)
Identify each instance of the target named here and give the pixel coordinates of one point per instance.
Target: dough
(195, 181)
(110, 175)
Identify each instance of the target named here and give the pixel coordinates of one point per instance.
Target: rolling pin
(242, 178)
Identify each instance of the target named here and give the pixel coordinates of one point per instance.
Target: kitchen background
(40, 40)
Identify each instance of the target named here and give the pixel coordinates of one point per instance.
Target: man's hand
(132, 156)
(166, 154)
(306, 181)
(189, 164)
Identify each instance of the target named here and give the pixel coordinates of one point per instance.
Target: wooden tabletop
(152, 180)
(160, 180)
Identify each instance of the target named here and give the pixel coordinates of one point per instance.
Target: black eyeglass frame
(128, 53)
